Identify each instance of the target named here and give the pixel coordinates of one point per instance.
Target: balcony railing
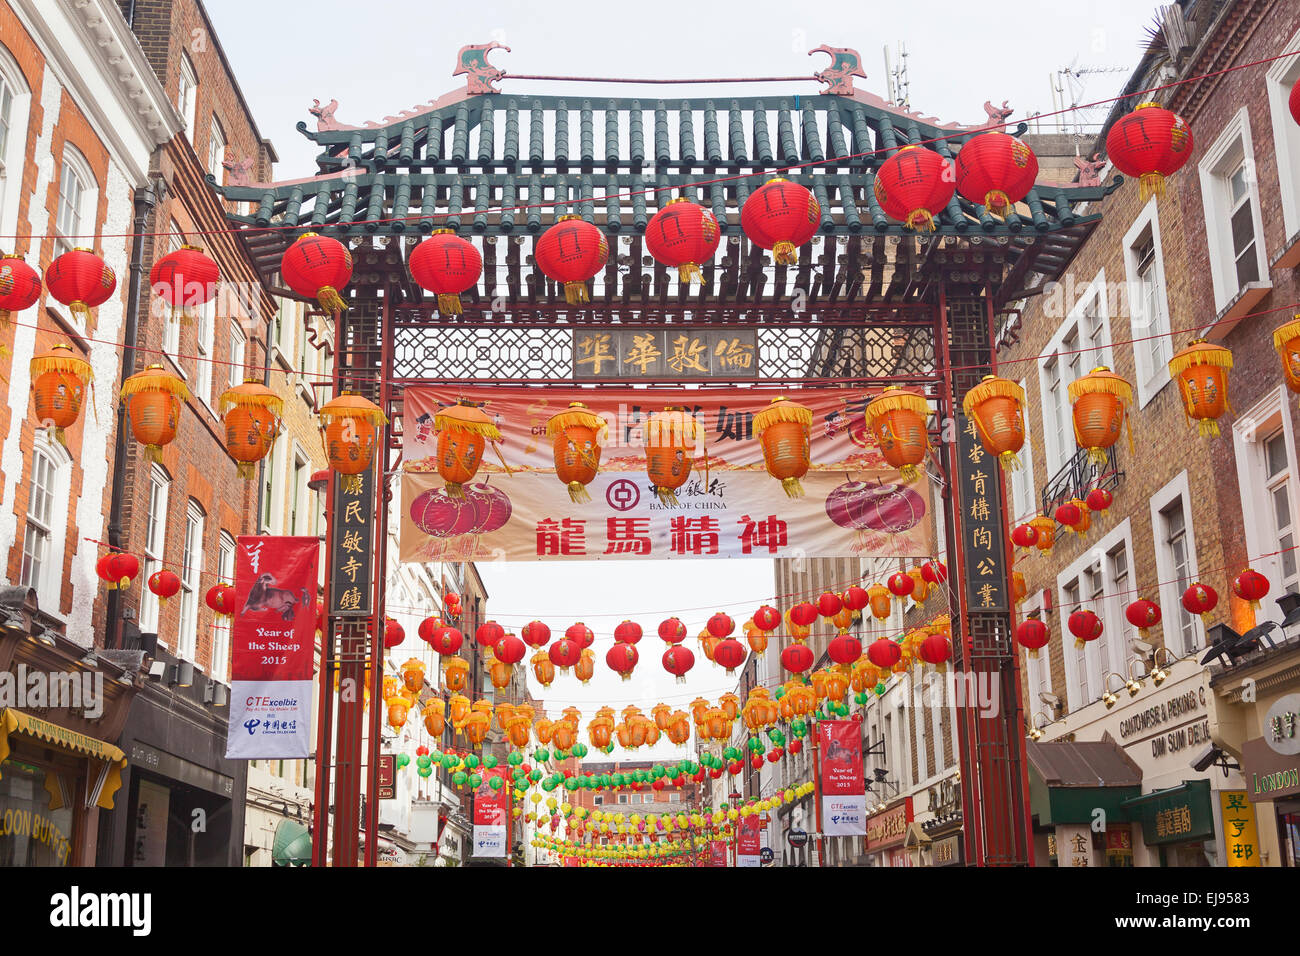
(1080, 476)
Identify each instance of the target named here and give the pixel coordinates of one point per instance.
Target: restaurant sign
(889, 827)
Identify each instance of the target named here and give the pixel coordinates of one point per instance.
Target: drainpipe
(144, 204)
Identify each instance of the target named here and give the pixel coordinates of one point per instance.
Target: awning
(112, 761)
(1175, 814)
(291, 845)
(1070, 780)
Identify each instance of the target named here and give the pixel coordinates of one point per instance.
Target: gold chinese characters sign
(665, 354)
(1240, 838)
(516, 508)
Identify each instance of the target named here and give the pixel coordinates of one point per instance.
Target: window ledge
(1232, 313)
(1289, 257)
(1147, 391)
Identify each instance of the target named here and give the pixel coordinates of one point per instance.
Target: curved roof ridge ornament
(472, 62)
(846, 63)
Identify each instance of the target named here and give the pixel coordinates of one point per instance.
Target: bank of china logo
(622, 495)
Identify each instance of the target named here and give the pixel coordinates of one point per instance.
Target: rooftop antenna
(1067, 93)
(897, 79)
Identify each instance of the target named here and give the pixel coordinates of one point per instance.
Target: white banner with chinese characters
(516, 509)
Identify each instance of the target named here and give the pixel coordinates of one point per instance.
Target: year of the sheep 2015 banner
(518, 474)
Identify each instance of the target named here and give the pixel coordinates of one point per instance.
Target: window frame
(73, 161)
(1178, 489)
(187, 631)
(205, 319)
(1111, 611)
(1022, 479)
(1279, 80)
(220, 669)
(14, 151)
(236, 354)
(188, 108)
(1059, 445)
(1152, 368)
(217, 137)
(1231, 148)
(1037, 670)
(48, 582)
(150, 610)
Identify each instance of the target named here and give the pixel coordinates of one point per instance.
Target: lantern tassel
(921, 220)
(792, 487)
(688, 273)
(80, 309)
(1151, 184)
(245, 470)
(455, 491)
(1209, 428)
(909, 474)
(449, 303)
(997, 202)
(4, 318)
(153, 454)
(667, 496)
(578, 492)
(183, 316)
(1010, 461)
(576, 292)
(56, 432)
(785, 253)
(330, 300)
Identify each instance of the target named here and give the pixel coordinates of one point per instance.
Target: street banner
(844, 799)
(516, 508)
(749, 841)
(272, 639)
(491, 816)
(718, 853)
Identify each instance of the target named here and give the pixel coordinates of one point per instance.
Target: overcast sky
(383, 56)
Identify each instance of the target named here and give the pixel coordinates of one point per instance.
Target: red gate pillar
(994, 775)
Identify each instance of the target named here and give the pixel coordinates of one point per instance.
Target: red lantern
(936, 649)
(447, 640)
(564, 653)
(80, 280)
(164, 584)
(1085, 626)
(1294, 101)
(781, 216)
(729, 653)
(797, 658)
(803, 614)
(829, 604)
(446, 265)
(855, 598)
(428, 627)
(884, 653)
(535, 634)
(721, 625)
(509, 650)
(1149, 143)
(677, 661)
(900, 585)
(1031, 634)
(20, 286)
(572, 251)
(489, 634)
(767, 618)
(1099, 499)
(317, 267)
(845, 649)
(1250, 586)
(394, 633)
(1143, 615)
(684, 235)
(581, 634)
(118, 569)
(914, 185)
(1024, 535)
(215, 598)
(1200, 599)
(794, 746)
(629, 632)
(936, 572)
(185, 278)
(1069, 515)
(621, 658)
(996, 171)
(672, 630)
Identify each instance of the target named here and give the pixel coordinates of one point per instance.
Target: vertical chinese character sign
(749, 840)
(1240, 838)
(844, 796)
(351, 550)
(979, 484)
(272, 637)
(491, 816)
(728, 506)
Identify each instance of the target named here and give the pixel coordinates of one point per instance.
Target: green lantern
(580, 750)
(496, 783)
(780, 692)
(404, 759)
(541, 755)
(421, 761)
(570, 784)
(435, 756)
(755, 745)
(424, 771)
(860, 698)
(514, 758)
(799, 727)
(561, 755)
(535, 775)
(548, 785)
(608, 748)
(880, 689)
(459, 778)
(475, 781)
(490, 761)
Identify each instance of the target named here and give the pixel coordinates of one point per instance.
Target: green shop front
(1177, 822)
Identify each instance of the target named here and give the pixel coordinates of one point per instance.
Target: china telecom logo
(622, 495)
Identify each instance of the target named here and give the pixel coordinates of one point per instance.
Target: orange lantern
(1046, 528)
(730, 705)
(59, 380)
(756, 639)
(476, 727)
(251, 413)
(843, 619)
(799, 632)
(1202, 373)
(922, 587)
(997, 407)
(586, 665)
(564, 733)
(413, 674)
(349, 427)
(455, 672)
(544, 730)
(518, 729)
(1019, 590)
(672, 438)
(500, 672)
(783, 430)
(1286, 340)
(718, 724)
(599, 731)
(878, 596)
(153, 403)
(435, 720)
(463, 432)
(575, 440)
(543, 669)
(818, 679)
(1099, 400)
(837, 684)
(398, 707)
(897, 420)
(679, 728)
(1085, 516)
(458, 711)
(504, 712)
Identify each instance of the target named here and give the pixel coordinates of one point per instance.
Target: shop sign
(352, 555)
(1240, 838)
(1077, 842)
(1282, 724)
(946, 852)
(979, 489)
(1269, 775)
(387, 776)
(889, 827)
(673, 354)
(1177, 815)
(1156, 724)
(797, 838)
